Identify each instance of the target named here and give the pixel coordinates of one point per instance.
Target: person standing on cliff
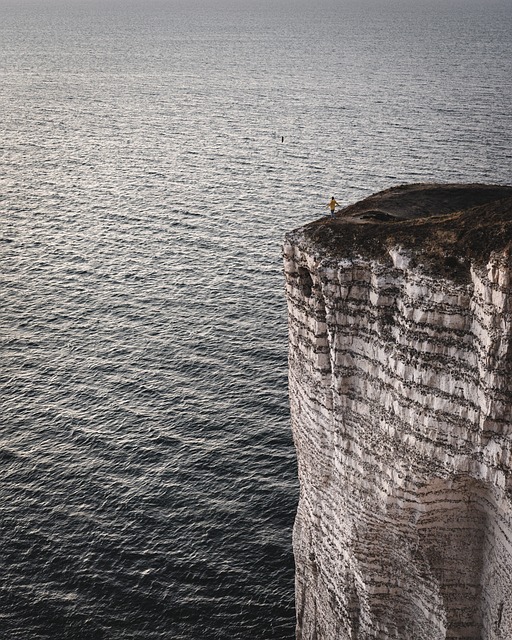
(332, 205)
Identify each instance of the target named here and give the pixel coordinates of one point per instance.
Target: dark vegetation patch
(444, 227)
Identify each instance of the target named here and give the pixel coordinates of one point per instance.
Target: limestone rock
(400, 374)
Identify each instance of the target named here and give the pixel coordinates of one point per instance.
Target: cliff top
(445, 227)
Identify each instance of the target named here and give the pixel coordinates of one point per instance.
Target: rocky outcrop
(400, 377)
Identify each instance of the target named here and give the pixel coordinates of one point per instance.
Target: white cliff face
(401, 401)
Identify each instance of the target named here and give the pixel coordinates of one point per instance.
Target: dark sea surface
(148, 476)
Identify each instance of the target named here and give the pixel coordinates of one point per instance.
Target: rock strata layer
(400, 374)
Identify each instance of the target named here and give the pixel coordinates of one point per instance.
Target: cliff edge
(400, 377)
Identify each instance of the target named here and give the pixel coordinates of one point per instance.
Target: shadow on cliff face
(445, 227)
(453, 530)
(305, 282)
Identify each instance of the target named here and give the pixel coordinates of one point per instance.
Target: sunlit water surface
(148, 477)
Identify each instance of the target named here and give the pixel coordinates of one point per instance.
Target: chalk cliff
(400, 330)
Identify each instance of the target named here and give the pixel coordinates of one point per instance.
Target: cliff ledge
(400, 372)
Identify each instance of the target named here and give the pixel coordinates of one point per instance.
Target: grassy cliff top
(444, 227)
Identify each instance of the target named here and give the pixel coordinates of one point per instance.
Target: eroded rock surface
(400, 317)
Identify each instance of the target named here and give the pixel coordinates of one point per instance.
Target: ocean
(153, 155)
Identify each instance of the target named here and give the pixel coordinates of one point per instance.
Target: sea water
(153, 154)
